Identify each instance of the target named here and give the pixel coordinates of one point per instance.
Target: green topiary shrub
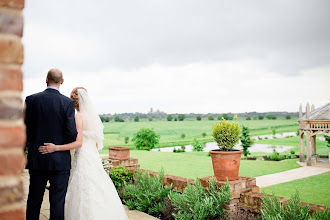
(145, 139)
(246, 140)
(121, 175)
(203, 134)
(136, 118)
(169, 117)
(199, 118)
(183, 135)
(147, 194)
(181, 117)
(226, 134)
(199, 204)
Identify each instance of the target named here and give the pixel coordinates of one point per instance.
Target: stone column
(308, 150)
(301, 138)
(12, 129)
(314, 144)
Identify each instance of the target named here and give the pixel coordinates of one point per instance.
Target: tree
(181, 117)
(150, 118)
(145, 139)
(102, 118)
(199, 118)
(136, 118)
(203, 134)
(287, 117)
(255, 118)
(248, 118)
(246, 141)
(183, 135)
(260, 117)
(230, 118)
(225, 116)
(270, 116)
(175, 119)
(169, 117)
(210, 118)
(327, 138)
(116, 119)
(106, 119)
(126, 139)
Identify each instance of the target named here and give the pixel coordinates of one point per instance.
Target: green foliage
(327, 139)
(199, 118)
(276, 156)
(121, 175)
(136, 118)
(116, 118)
(150, 118)
(272, 209)
(145, 139)
(210, 118)
(203, 134)
(248, 118)
(274, 131)
(181, 150)
(147, 194)
(194, 203)
(126, 140)
(246, 140)
(175, 119)
(287, 117)
(197, 145)
(169, 117)
(230, 118)
(226, 134)
(102, 118)
(181, 117)
(255, 118)
(321, 215)
(183, 135)
(260, 117)
(106, 119)
(271, 116)
(225, 116)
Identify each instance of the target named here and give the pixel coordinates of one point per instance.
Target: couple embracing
(81, 189)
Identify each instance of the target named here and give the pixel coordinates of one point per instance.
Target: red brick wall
(12, 130)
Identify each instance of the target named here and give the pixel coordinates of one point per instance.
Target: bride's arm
(50, 147)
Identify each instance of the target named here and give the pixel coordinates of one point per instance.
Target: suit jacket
(49, 118)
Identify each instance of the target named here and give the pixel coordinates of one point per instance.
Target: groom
(49, 118)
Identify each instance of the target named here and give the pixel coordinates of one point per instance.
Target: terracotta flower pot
(119, 153)
(226, 164)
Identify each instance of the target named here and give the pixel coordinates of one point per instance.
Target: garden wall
(246, 199)
(12, 129)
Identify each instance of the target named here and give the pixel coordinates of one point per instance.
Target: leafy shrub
(274, 131)
(136, 118)
(248, 118)
(183, 135)
(199, 118)
(321, 215)
(327, 139)
(287, 117)
(175, 119)
(150, 118)
(298, 132)
(203, 134)
(226, 134)
(181, 150)
(121, 120)
(102, 118)
(246, 140)
(230, 118)
(194, 203)
(181, 117)
(145, 139)
(273, 209)
(126, 140)
(210, 118)
(197, 145)
(254, 118)
(147, 194)
(169, 117)
(116, 118)
(260, 117)
(121, 175)
(271, 116)
(292, 152)
(274, 156)
(225, 116)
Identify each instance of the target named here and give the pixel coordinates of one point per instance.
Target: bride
(91, 195)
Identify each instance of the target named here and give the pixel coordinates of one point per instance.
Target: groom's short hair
(55, 76)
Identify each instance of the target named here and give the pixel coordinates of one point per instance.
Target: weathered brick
(11, 49)
(11, 23)
(11, 161)
(12, 137)
(11, 78)
(10, 108)
(12, 3)
(11, 194)
(18, 214)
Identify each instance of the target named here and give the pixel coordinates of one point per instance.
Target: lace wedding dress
(91, 195)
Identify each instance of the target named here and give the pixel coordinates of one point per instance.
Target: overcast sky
(182, 55)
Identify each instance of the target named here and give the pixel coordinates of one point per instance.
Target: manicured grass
(170, 131)
(314, 189)
(321, 146)
(192, 165)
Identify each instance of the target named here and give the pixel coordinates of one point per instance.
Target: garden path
(290, 175)
(44, 212)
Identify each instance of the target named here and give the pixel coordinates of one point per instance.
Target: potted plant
(226, 160)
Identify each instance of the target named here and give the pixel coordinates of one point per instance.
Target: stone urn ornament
(119, 153)
(226, 160)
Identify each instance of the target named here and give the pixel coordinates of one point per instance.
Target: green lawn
(170, 132)
(192, 165)
(313, 189)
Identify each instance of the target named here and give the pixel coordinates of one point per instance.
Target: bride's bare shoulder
(78, 116)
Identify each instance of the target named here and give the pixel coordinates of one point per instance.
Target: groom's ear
(62, 81)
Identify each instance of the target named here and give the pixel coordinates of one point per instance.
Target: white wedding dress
(91, 194)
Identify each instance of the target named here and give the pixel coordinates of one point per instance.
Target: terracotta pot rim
(118, 148)
(218, 151)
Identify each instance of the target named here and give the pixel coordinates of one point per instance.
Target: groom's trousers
(58, 186)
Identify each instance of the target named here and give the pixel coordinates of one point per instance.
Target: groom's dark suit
(49, 118)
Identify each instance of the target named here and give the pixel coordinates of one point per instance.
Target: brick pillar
(12, 130)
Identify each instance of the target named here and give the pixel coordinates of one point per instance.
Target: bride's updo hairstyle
(74, 96)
